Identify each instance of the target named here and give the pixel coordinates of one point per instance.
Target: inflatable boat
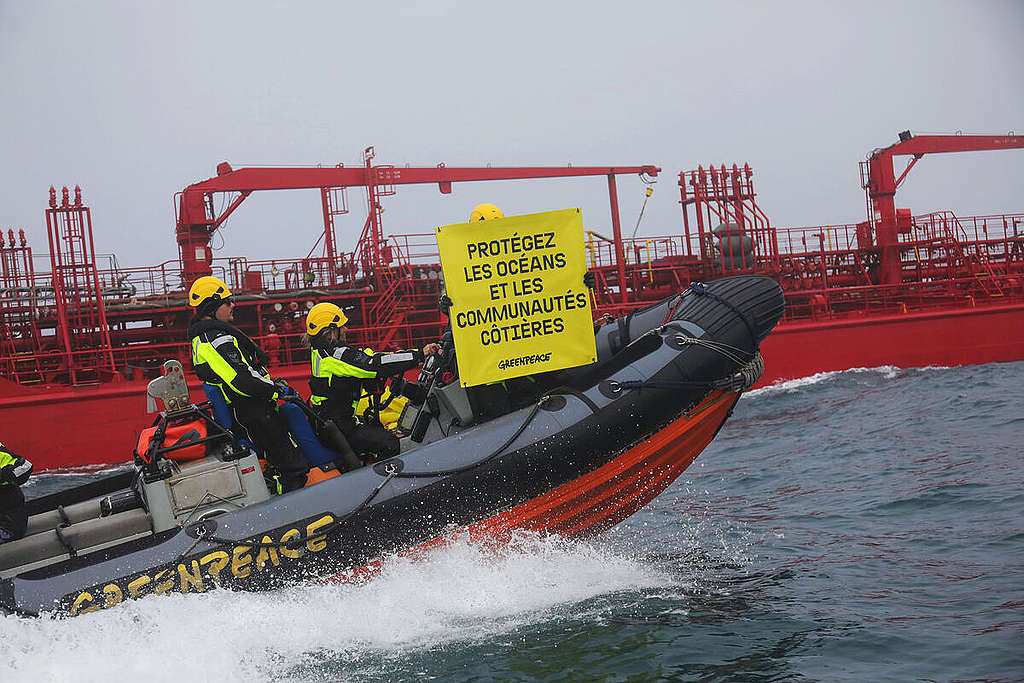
(591, 446)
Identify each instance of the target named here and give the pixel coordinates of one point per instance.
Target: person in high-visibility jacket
(224, 356)
(14, 471)
(340, 372)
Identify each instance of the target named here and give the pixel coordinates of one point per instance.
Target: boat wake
(794, 385)
(462, 593)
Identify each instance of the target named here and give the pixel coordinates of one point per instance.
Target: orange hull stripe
(602, 498)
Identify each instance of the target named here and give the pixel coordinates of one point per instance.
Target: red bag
(176, 435)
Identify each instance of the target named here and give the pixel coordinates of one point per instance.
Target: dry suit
(340, 373)
(14, 471)
(225, 357)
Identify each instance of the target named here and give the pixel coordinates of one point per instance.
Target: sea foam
(459, 593)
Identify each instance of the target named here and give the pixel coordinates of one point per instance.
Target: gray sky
(135, 100)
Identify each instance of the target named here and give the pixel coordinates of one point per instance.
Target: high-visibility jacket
(14, 470)
(338, 373)
(222, 355)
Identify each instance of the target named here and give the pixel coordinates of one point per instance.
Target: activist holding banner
(517, 301)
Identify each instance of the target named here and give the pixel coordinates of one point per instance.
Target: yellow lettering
(82, 599)
(267, 553)
(114, 595)
(163, 586)
(217, 560)
(240, 559)
(289, 552)
(192, 578)
(136, 586)
(317, 544)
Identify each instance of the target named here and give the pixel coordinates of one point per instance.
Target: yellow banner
(519, 305)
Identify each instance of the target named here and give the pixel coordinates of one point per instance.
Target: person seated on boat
(340, 373)
(14, 471)
(225, 357)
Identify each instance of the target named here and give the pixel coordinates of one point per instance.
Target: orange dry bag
(176, 435)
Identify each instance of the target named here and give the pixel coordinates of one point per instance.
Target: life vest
(176, 435)
(20, 468)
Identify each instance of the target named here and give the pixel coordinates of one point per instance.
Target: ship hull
(948, 338)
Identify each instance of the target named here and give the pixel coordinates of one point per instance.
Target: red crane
(197, 220)
(881, 183)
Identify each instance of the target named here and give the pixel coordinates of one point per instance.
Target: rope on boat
(733, 353)
(741, 380)
(700, 289)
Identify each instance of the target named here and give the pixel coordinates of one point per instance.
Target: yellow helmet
(322, 316)
(208, 287)
(485, 211)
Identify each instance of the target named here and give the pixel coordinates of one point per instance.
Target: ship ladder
(978, 259)
(27, 369)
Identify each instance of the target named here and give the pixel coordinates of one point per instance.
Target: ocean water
(862, 525)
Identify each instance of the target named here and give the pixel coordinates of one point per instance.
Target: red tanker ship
(79, 343)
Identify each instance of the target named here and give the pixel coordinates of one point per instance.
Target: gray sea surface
(862, 525)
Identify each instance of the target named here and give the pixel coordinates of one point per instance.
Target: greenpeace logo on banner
(504, 364)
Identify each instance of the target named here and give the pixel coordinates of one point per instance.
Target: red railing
(952, 262)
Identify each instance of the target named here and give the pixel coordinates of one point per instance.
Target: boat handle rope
(64, 541)
(727, 350)
(615, 386)
(209, 495)
(740, 380)
(200, 529)
(508, 442)
(733, 353)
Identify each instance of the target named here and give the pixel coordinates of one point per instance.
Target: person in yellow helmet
(14, 471)
(225, 357)
(480, 212)
(483, 212)
(340, 372)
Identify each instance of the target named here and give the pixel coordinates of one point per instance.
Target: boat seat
(56, 544)
(454, 400)
(73, 514)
